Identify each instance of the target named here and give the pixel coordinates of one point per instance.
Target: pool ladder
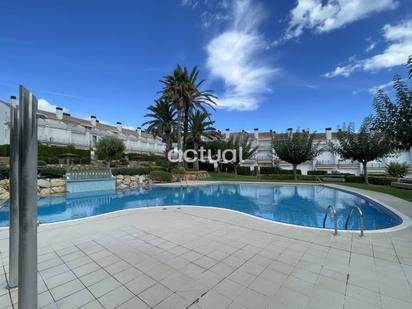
(331, 210)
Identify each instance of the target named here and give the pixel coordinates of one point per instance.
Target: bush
(4, 172)
(131, 171)
(41, 163)
(4, 150)
(397, 170)
(178, 170)
(276, 177)
(227, 167)
(277, 170)
(206, 166)
(52, 154)
(317, 172)
(161, 176)
(375, 180)
(146, 157)
(52, 172)
(158, 168)
(245, 170)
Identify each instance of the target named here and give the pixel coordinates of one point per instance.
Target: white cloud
(45, 105)
(373, 90)
(233, 57)
(326, 15)
(370, 47)
(399, 40)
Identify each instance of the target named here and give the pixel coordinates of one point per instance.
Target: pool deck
(197, 257)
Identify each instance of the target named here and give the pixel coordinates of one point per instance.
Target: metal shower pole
(14, 197)
(28, 200)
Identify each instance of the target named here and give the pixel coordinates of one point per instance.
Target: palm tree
(183, 90)
(195, 99)
(173, 90)
(244, 148)
(201, 126)
(163, 121)
(410, 66)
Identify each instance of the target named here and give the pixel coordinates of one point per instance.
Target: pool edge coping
(406, 221)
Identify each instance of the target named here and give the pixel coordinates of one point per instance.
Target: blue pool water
(294, 204)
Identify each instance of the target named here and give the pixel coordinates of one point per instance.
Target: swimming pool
(294, 204)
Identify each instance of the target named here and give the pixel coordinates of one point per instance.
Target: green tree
(201, 126)
(110, 147)
(297, 148)
(365, 146)
(163, 121)
(394, 118)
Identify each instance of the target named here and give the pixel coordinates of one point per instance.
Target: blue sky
(273, 64)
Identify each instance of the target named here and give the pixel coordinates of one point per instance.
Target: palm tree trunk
(365, 172)
(179, 132)
(196, 163)
(185, 126)
(295, 176)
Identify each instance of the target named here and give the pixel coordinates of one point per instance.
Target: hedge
(161, 176)
(245, 170)
(51, 172)
(286, 177)
(45, 172)
(145, 157)
(4, 150)
(206, 166)
(52, 154)
(375, 180)
(277, 171)
(131, 171)
(317, 172)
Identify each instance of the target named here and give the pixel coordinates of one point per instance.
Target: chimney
(93, 120)
(119, 126)
(13, 101)
(59, 113)
(139, 131)
(227, 133)
(256, 133)
(328, 133)
(290, 132)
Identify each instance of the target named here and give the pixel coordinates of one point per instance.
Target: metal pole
(14, 197)
(28, 201)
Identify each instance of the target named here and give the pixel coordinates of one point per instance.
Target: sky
(307, 64)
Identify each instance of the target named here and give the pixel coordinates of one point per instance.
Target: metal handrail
(361, 223)
(335, 221)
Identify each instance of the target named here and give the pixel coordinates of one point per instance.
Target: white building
(61, 129)
(325, 161)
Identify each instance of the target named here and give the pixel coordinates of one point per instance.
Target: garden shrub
(41, 163)
(4, 150)
(178, 170)
(131, 171)
(52, 172)
(4, 172)
(375, 180)
(317, 172)
(206, 166)
(277, 170)
(161, 176)
(227, 167)
(245, 170)
(397, 170)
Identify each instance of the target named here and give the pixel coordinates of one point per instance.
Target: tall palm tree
(184, 91)
(163, 122)
(410, 66)
(195, 98)
(173, 90)
(200, 127)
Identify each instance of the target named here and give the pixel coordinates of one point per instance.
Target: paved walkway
(193, 257)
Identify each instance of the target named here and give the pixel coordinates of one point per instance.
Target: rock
(45, 191)
(43, 183)
(126, 180)
(58, 189)
(57, 182)
(3, 190)
(4, 196)
(119, 176)
(122, 186)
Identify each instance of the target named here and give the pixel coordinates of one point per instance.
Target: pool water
(294, 204)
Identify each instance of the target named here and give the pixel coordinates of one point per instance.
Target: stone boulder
(57, 182)
(43, 183)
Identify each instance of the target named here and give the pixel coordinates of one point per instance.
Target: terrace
(193, 257)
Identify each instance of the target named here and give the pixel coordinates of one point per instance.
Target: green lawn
(401, 193)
